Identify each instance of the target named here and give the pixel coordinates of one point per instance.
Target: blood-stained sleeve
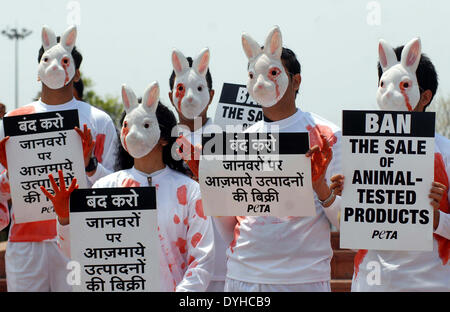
(4, 215)
(333, 212)
(5, 190)
(200, 247)
(105, 150)
(443, 228)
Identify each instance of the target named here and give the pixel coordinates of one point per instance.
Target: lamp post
(16, 34)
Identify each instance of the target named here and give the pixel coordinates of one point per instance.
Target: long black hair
(166, 121)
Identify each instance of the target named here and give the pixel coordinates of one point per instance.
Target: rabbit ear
(274, 43)
(179, 62)
(129, 98)
(411, 54)
(68, 38)
(48, 38)
(386, 55)
(151, 97)
(251, 47)
(201, 63)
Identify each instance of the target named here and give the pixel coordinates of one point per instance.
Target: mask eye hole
(274, 72)
(125, 124)
(200, 89)
(382, 84)
(405, 85)
(65, 61)
(250, 74)
(180, 87)
(45, 59)
(146, 125)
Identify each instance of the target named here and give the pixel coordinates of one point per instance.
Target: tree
(110, 104)
(442, 108)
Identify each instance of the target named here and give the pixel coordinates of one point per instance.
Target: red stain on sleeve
(199, 209)
(183, 266)
(4, 186)
(189, 274)
(176, 219)
(315, 133)
(359, 257)
(26, 110)
(191, 259)
(237, 233)
(440, 175)
(99, 146)
(181, 195)
(181, 244)
(196, 239)
(186, 221)
(130, 183)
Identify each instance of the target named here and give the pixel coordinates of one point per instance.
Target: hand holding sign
(320, 159)
(61, 199)
(3, 160)
(88, 143)
(437, 194)
(337, 184)
(190, 154)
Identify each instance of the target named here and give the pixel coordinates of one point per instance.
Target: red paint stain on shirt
(181, 195)
(199, 209)
(440, 175)
(130, 183)
(176, 219)
(181, 244)
(315, 133)
(196, 239)
(26, 110)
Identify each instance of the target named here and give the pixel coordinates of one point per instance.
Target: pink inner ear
(203, 66)
(126, 101)
(152, 97)
(70, 39)
(413, 54)
(382, 55)
(45, 37)
(247, 48)
(176, 62)
(275, 42)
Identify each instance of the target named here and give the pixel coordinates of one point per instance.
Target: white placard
(388, 164)
(269, 176)
(116, 244)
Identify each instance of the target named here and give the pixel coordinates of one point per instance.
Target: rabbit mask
(268, 80)
(57, 67)
(191, 89)
(398, 89)
(140, 130)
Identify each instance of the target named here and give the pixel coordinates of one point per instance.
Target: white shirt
(186, 235)
(292, 250)
(406, 270)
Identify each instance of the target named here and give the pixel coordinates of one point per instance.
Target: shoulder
(443, 146)
(184, 185)
(255, 127)
(316, 120)
(112, 180)
(24, 110)
(90, 112)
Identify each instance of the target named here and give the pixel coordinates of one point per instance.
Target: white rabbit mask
(140, 130)
(268, 80)
(57, 67)
(190, 86)
(398, 89)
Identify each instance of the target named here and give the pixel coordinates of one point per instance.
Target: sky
(131, 42)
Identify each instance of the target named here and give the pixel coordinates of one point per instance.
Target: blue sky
(131, 42)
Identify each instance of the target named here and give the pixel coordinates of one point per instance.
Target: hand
(61, 199)
(3, 160)
(190, 154)
(436, 194)
(337, 184)
(88, 143)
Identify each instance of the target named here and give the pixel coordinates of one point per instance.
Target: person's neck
(280, 111)
(193, 124)
(57, 97)
(150, 163)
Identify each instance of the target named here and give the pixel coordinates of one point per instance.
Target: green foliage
(110, 104)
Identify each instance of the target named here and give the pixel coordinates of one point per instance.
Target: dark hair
(190, 61)
(77, 57)
(79, 87)
(167, 122)
(427, 76)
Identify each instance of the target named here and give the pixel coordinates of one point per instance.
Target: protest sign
(41, 144)
(388, 164)
(236, 107)
(256, 174)
(114, 238)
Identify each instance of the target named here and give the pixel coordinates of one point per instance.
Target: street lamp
(16, 34)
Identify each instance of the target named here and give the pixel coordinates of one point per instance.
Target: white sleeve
(64, 238)
(107, 141)
(225, 226)
(201, 256)
(333, 212)
(444, 225)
